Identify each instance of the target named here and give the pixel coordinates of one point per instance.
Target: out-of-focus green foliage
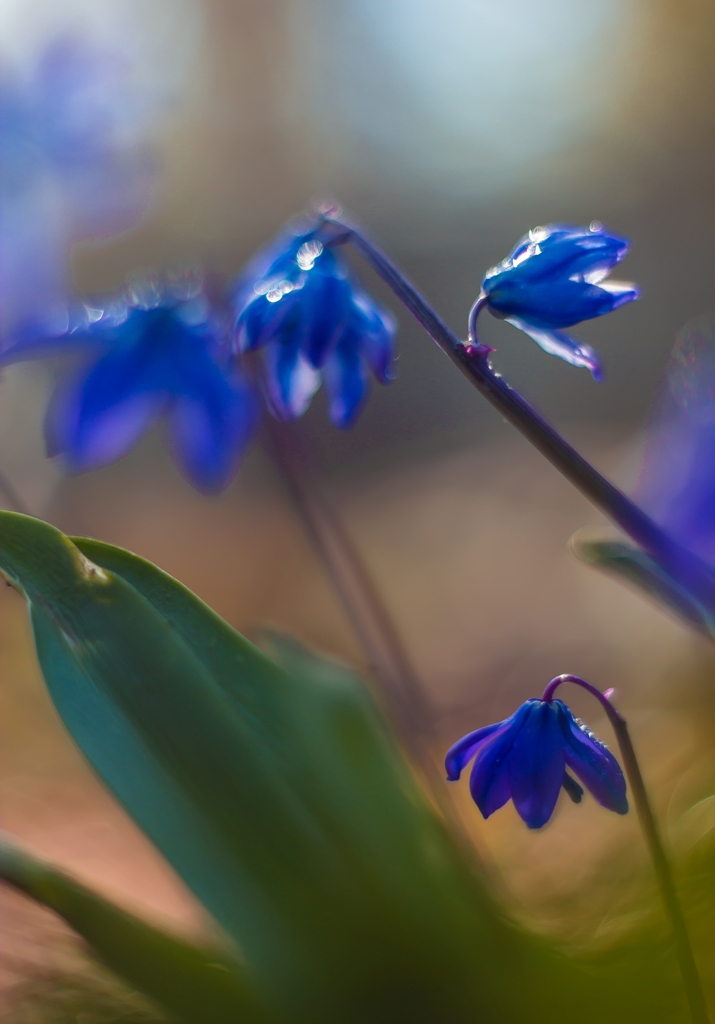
(634, 566)
(198, 985)
(274, 788)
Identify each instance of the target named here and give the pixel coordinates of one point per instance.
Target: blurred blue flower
(159, 349)
(525, 757)
(676, 483)
(555, 278)
(299, 303)
(73, 164)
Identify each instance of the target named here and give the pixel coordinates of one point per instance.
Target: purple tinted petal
(556, 343)
(592, 762)
(104, 415)
(489, 780)
(536, 765)
(93, 437)
(488, 785)
(462, 752)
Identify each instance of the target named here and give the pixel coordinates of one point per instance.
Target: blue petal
(273, 262)
(556, 251)
(325, 312)
(212, 424)
(345, 382)
(592, 762)
(376, 328)
(536, 765)
(291, 381)
(461, 753)
(561, 303)
(99, 419)
(556, 343)
(274, 269)
(263, 319)
(489, 781)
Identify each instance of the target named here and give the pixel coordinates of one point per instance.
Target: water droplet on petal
(308, 254)
(539, 234)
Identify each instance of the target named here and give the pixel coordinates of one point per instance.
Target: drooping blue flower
(73, 164)
(159, 349)
(525, 759)
(298, 302)
(555, 277)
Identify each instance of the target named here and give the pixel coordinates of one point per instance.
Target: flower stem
(686, 960)
(472, 360)
(365, 608)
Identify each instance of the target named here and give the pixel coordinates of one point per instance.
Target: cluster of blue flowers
(309, 321)
(207, 358)
(165, 347)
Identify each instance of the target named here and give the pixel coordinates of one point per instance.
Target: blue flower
(298, 302)
(73, 164)
(555, 278)
(525, 757)
(157, 350)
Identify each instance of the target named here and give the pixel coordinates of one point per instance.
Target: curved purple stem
(614, 716)
(686, 960)
(471, 358)
(474, 312)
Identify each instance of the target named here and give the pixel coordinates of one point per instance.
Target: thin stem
(471, 358)
(651, 832)
(372, 622)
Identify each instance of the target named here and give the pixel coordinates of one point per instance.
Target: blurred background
(447, 128)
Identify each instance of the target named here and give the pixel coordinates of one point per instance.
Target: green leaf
(279, 799)
(634, 566)
(199, 986)
(396, 887)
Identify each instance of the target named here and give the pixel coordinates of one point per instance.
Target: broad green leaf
(232, 768)
(634, 566)
(199, 986)
(395, 877)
